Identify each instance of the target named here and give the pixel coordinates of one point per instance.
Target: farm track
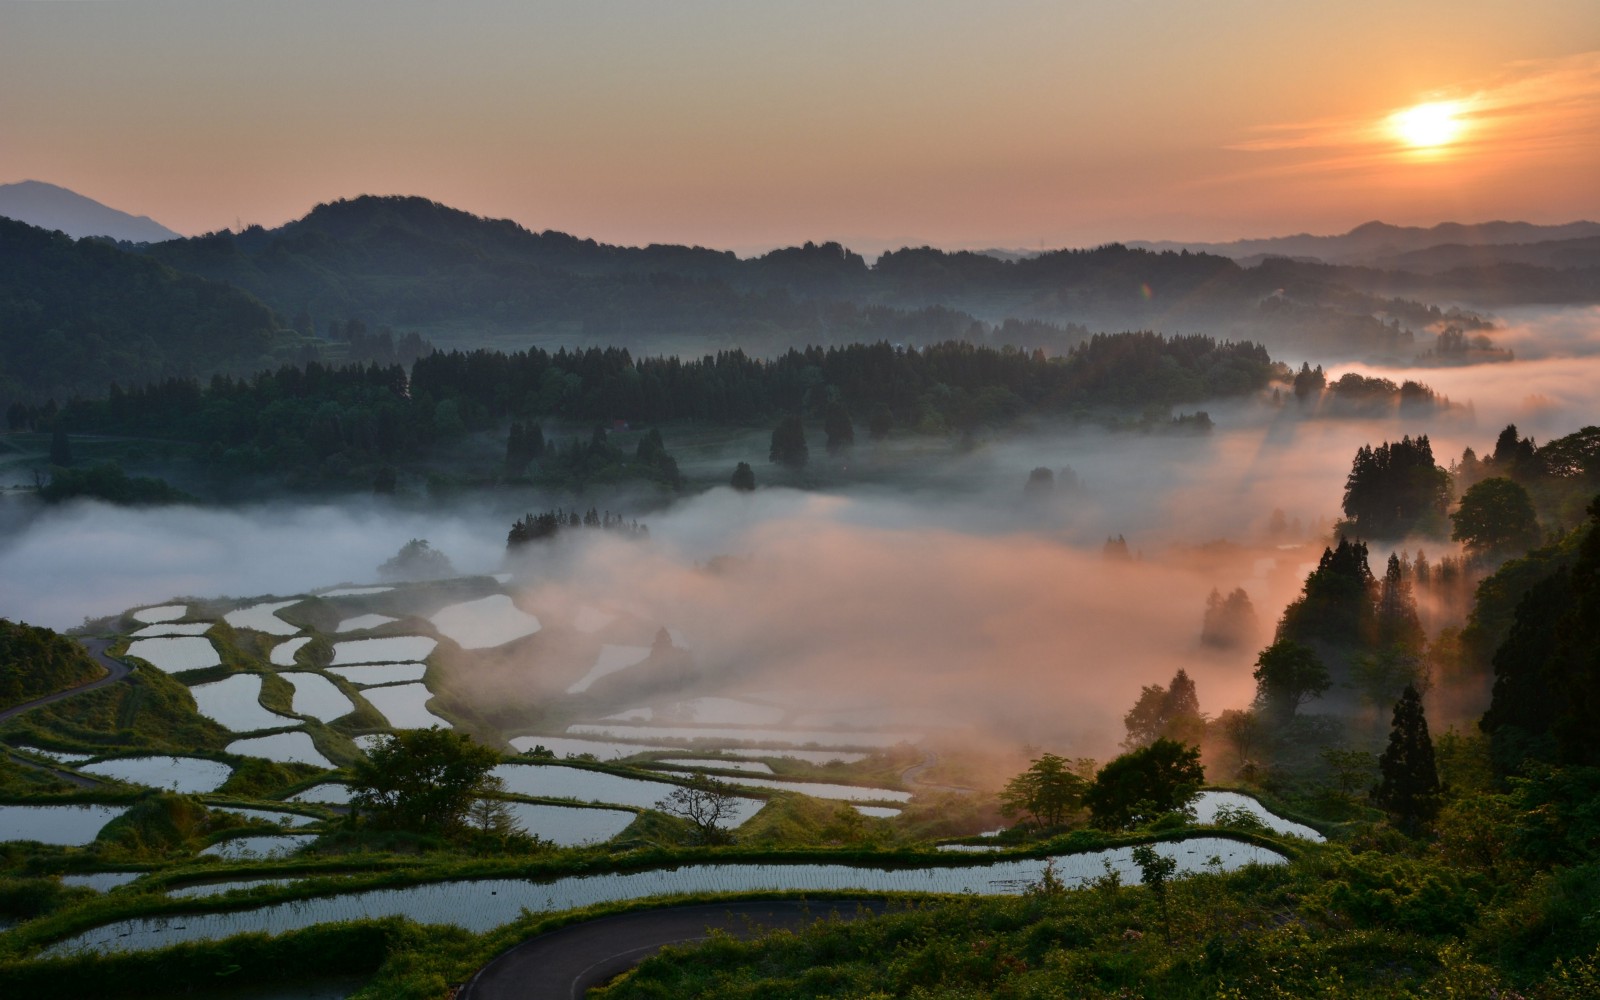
(912, 776)
(566, 963)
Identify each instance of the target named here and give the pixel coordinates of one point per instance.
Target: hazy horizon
(750, 128)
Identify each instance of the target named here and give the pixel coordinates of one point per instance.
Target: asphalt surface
(565, 963)
(116, 670)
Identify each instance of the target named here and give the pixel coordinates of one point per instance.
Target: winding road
(565, 963)
(116, 671)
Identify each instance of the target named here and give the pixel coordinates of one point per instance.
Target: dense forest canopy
(78, 315)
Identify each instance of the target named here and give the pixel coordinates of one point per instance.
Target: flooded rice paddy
(483, 905)
(289, 819)
(610, 660)
(266, 846)
(361, 623)
(381, 673)
(485, 623)
(1207, 804)
(164, 613)
(396, 649)
(282, 654)
(176, 655)
(235, 702)
(405, 706)
(285, 748)
(99, 881)
(186, 775)
(318, 697)
(569, 826)
(704, 763)
(330, 793)
(263, 617)
(62, 826)
(553, 781)
(171, 629)
(743, 735)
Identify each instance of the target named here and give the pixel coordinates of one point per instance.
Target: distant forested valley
(385, 280)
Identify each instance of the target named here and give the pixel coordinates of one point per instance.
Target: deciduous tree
(1139, 786)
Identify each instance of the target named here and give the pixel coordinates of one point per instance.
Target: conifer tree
(1409, 788)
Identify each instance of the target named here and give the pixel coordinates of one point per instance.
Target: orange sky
(748, 125)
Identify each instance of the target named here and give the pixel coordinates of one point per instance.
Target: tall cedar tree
(1337, 604)
(1409, 789)
(744, 478)
(1396, 489)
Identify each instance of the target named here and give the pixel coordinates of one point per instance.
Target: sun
(1428, 126)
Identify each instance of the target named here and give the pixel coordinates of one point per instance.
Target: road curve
(565, 963)
(116, 670)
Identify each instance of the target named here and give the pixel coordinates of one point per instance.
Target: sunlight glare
(1427, 126)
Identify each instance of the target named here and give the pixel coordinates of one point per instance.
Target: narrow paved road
(565, 963)
(116, 670)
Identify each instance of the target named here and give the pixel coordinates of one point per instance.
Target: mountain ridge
(53, 207)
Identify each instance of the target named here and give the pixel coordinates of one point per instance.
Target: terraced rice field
(483, 905)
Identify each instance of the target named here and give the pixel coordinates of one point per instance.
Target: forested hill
(36, 661)
(77, 315)
(412, 263)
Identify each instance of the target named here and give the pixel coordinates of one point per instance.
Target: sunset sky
(753, 124)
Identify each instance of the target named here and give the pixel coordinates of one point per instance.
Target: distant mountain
(465, 281)
(77, 315)
(50, 207)
(1376, 242)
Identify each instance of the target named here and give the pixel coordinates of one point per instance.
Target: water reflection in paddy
(188, 775)
(483, 905)
(63, 826)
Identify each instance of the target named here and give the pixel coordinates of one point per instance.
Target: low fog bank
(88, 559)
(950, 595)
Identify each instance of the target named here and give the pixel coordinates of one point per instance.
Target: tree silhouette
(789, 443)
(1049, 791)
(836, 425)
(744, 478)
(1287, 675)
(1139, 786)
(1496, 515)
(1172, 713)
(1396, 489)
(60, 447)
(1409, 788)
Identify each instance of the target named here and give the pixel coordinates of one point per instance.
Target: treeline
(342, 418)
(548, 524)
